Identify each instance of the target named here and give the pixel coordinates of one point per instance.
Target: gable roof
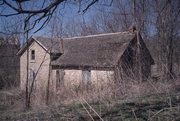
(51, 45)
(95, 51)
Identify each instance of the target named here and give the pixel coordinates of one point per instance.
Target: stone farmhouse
(85, 59)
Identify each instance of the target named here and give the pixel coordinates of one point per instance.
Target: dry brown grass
(109, 90)
(13, 101)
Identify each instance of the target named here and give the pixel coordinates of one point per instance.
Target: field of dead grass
(161, 105)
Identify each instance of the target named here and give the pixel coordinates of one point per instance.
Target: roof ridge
(96, 35)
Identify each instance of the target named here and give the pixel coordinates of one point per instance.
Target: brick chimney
(132, 29)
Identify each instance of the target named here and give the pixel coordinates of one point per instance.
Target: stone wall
(74, 77)
(41, 56)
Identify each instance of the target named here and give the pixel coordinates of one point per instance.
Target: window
(32, 76)
(32, 54)
(60, 78)
(86, 77)
(55, 56)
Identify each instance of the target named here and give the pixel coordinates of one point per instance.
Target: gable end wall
(41, 56)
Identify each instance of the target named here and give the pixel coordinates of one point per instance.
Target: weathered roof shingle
(95, 51)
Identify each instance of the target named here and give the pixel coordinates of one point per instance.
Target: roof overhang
(84, 67)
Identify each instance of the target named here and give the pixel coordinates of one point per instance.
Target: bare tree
(167, 25)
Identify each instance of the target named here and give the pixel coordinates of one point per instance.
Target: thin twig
(134, 115)
(92, 109)
(87, 111)
(84, 106)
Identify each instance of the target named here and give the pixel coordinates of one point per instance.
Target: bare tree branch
(45, 10)
(34, 16)
(92, 3)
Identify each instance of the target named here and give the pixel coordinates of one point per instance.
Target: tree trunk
(48, 83)
(170, 60)
(27, 76)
